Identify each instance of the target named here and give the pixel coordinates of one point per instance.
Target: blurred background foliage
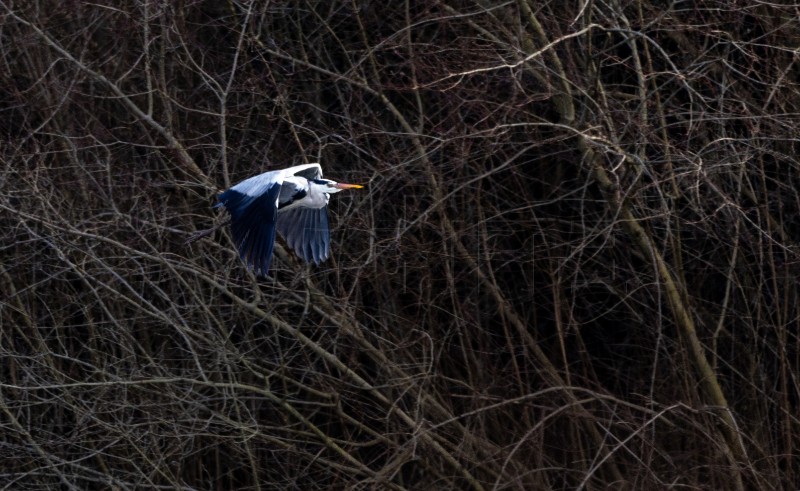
(574, 265)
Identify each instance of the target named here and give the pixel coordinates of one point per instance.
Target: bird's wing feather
(292, 189)
(258, 185)
(253, 219)
(309, 171)
(306, 231)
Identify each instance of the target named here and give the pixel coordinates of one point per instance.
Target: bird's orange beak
(342, 185)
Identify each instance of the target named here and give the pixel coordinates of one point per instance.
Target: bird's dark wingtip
(253, 226)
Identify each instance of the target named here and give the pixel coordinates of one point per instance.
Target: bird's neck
(317, 197)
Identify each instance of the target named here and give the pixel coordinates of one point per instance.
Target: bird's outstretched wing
(258, 185)
(253, 225)
(306, 231)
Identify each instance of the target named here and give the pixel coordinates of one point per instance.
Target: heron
(293, 201)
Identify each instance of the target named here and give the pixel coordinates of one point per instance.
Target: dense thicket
(574, 266)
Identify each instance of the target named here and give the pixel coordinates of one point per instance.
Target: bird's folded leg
(206, 232)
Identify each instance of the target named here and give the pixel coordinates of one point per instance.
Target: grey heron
(293, 201)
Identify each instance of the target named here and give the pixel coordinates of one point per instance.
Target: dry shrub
(574, 266)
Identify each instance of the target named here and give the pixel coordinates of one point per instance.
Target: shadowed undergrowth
(573, 266)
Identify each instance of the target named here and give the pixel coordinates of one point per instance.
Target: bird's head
(328, 186)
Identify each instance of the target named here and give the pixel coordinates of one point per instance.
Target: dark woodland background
(574, 264)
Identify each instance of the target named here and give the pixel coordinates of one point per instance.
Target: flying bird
(294, 202)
